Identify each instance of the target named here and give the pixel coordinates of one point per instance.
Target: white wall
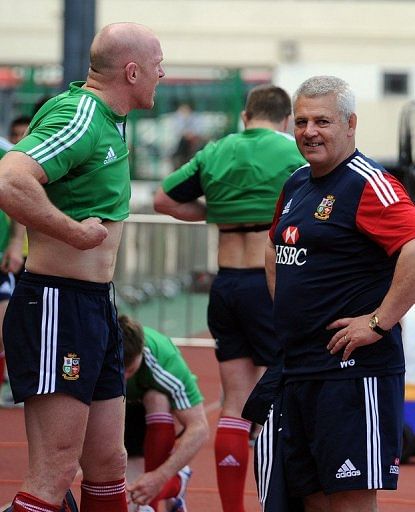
(292, 39)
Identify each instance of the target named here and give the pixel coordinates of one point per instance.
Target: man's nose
(310, 130)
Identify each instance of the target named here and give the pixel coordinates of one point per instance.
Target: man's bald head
(119, 43)
(125, 66)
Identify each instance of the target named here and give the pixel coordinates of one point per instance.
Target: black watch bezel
(374, 325)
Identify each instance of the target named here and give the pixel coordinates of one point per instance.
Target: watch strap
(374, 325)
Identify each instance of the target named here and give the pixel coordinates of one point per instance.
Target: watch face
(373, 323)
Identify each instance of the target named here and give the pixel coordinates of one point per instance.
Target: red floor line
(13, 444)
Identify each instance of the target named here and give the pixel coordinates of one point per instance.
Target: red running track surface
(202, 492)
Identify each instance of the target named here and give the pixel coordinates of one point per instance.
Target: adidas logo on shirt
(287, 207)
(347, 470)
(110, 156)
(229, 460)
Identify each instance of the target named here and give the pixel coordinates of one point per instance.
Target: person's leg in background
(160, 437)
(104, 458)
(238, 378)
(240, 320)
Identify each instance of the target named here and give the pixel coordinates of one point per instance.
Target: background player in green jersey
(159, 378)
(241, 177)
(68, 182)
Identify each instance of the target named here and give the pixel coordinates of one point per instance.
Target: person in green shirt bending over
(160, 381)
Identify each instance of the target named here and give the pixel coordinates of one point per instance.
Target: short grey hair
(324, 85)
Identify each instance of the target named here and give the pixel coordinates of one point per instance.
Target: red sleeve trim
(390, 225)
(277, 215)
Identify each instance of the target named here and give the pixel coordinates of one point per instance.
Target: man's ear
(286, 122)
(352, 124)
(244, 117)
(131, 72)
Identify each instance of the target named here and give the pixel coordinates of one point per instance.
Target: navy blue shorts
(61, 336)
(240, 317)
(342, 435)
(6, 285)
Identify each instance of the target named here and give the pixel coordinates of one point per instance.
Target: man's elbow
(162, 202)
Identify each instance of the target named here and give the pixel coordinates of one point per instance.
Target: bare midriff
(49, 256)
(241, 250)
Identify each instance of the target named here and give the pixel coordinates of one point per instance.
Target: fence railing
(163, 273)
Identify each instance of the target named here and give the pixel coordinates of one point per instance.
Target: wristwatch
(374, 325)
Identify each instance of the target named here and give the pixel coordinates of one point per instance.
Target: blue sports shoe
(178, 504)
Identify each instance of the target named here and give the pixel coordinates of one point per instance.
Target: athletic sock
(103, 496)
(231, 455)
(158, 444)
(24, 502)
(171, 488)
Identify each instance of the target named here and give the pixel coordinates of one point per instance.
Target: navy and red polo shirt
(337, 240)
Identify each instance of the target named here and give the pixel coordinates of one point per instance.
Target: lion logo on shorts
(71, 367)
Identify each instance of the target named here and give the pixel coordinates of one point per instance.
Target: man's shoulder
(300, 174)
(67, 105)
(362, 169)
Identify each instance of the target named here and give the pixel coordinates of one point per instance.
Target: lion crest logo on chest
(325, 208)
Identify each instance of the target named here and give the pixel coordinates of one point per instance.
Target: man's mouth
(313, 144)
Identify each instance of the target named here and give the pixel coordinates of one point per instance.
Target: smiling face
(322, 134)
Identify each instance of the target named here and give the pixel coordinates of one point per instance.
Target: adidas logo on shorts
(110, 156)
(347, 470)
(229, 460)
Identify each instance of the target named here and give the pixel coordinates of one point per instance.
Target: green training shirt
(241, 175)
(164, 369)
(80, 144)
(5, 145)
(4, 232)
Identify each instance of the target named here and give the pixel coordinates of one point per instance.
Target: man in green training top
(159, 379)
(68, 181)
(241, 177)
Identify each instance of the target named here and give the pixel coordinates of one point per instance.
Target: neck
(264, 123)
(103, 91)
(317, 171)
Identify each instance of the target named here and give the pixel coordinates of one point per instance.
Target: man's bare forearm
(191, 211)
(194, 436)
(23, 198)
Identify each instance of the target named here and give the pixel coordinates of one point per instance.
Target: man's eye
(300, 123)
(323, 122)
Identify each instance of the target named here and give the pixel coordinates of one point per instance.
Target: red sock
(103, 496)
(231, 455)
(2, 367)
(171, 488)
(158, 443)
(24, 502)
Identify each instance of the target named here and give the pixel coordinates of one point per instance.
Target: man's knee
(108, 464)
